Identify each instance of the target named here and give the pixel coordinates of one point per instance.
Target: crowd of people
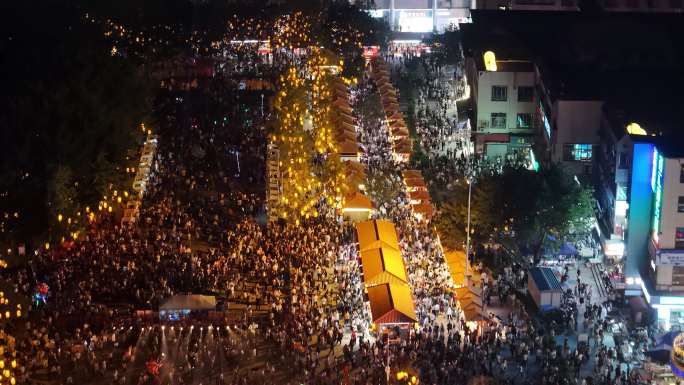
(292, 303)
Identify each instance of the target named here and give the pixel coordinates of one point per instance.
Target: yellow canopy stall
(383, 265)
(357, 207)
(391, 304)
(376, 230)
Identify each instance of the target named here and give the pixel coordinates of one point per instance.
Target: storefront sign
(670, 257)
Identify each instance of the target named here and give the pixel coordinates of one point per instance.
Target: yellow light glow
(635, 129)
(489, 61)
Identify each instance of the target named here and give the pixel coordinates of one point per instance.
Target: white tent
(189, 302)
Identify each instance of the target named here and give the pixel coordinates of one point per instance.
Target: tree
(485, 214)
(521, 204)
(67, 101)
(548, 204)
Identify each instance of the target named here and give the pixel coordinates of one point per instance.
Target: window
(679, 238)
(577, 152)
(525, 94)
(498, 120)
(681, 174)
(499, 93)
(680, 205)
(523, 120)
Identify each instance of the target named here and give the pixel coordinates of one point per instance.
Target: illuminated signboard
(657, 183)
(545, 121)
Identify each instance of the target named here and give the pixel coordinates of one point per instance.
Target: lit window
(577, 152)
(523, 121)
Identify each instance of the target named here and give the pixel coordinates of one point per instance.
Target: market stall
(544, 288)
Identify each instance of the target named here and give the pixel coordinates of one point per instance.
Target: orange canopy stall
(383, 265)
(369, 232)
(391, 304)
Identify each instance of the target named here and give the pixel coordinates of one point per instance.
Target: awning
(189, 302)
(376, 261)
(391, 304)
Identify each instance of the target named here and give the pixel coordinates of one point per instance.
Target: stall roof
(421, 195)
(376, 261)
(376, 230)
(410, 174)
(544, 279)
(391, 304)
(348, 147)
(189, 302)
(414, 182)
(357, 201)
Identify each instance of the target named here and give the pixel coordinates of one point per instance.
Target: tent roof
(544, 278)
(357, 200)
(354, 167)
(414, 182)
(408, 174)
(391, 304)
(420, 195)
(343, 135)
(424, 208)
(376, 230)
(348, 147)
(474, 315)
(189, 302)
(375, 261)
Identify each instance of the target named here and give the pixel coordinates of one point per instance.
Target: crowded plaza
(279, 227)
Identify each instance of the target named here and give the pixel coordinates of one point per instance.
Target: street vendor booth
(391, 304)
(544, 288)
(456, 262)
(357, 207)
(371, 234)
(180, 306)
(383, 265)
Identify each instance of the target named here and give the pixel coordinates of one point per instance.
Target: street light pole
(467, 272)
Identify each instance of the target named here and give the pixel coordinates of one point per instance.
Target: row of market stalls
(142, 176)
(384, 274)
(418, 195)
(345, 127)
(402, 144)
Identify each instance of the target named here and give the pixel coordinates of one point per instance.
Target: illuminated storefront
(419, 16)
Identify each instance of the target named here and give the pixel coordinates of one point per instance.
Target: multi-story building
(649, 219)
(422, 15)
(504, 104)
(528, 5)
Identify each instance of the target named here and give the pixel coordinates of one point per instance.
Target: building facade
(422, 15)
(650, 222)
(504, 104)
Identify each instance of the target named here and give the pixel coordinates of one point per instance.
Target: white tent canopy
(189, 302)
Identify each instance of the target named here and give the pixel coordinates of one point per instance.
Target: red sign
(370, 52)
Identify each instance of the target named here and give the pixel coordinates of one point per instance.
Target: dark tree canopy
(524, 206)
(70, 112)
